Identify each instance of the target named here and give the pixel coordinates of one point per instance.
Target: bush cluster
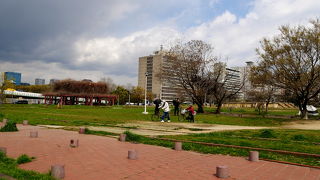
(9, 127)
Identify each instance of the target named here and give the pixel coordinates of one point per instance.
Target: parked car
(22, 102)
(312, 111)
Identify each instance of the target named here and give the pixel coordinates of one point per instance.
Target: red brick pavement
(103, 158)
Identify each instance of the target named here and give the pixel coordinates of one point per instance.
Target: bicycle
(155, 116)
(184, 115)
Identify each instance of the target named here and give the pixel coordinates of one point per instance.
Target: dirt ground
(158, 128)
(303, 124)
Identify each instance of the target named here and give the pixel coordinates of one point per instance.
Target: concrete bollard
(178, 146)
(57, 171)
(82, 130)
(222, 172)
(33, 134)
(132, 154)
(25, 122)
(122, 137)
(3, 149)
(74, 143)
(254, 156)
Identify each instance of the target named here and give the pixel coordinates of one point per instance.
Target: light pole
(145, 95)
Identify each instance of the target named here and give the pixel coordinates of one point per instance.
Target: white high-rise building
(39, 81)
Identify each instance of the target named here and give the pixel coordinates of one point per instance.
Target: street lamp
(145, 95)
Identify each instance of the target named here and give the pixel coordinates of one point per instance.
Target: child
(191, 113)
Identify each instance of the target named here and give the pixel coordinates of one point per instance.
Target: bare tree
(292, 61)
(78, 87)
(263, 91)
(190, 69)
(195, 69)
(223, 87)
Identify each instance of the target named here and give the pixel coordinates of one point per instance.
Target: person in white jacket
(166, 109)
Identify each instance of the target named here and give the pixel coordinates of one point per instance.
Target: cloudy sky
(104, 38)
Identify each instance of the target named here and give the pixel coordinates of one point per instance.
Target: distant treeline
(34, 88)
(79, 87)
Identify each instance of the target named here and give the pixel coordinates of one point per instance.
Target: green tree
(6, 84)
(292, 61)
(137, 95)
(123, 94)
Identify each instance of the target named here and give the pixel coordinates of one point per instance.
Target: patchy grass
(8, 166)
(100, 133)
(24, 159)
(248, 138)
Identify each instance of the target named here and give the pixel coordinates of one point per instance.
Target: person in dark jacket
(176, 103)
(157, 103)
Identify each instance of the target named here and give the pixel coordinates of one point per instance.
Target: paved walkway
(102, 158)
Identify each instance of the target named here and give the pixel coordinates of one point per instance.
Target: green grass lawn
(110, 115)
(253, 111)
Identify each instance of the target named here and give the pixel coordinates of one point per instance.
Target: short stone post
(4, 121)
(33, 134)
(178, 146)
(74, 143)
(132, 154)
(57, 171)
(222, 172)
(122, 137)
(25, 122)
(82, 130)
(254, 156)
(3, 149)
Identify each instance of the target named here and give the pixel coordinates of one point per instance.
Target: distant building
(39, 81)
(151, 66)
(13, 76)
(52, 81)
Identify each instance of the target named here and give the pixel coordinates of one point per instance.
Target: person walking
(176, 103)
(166, 109)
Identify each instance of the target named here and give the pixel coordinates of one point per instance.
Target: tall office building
(39, 81)
(152, 66)
(13, 76)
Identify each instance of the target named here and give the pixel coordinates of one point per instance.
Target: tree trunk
(305, 114)
(267, 104)
(218, 110)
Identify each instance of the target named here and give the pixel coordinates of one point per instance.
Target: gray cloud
(99, 38)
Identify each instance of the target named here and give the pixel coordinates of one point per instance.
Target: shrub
(267, 133)
(9, 127)
(299, 137)
(24, 159)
